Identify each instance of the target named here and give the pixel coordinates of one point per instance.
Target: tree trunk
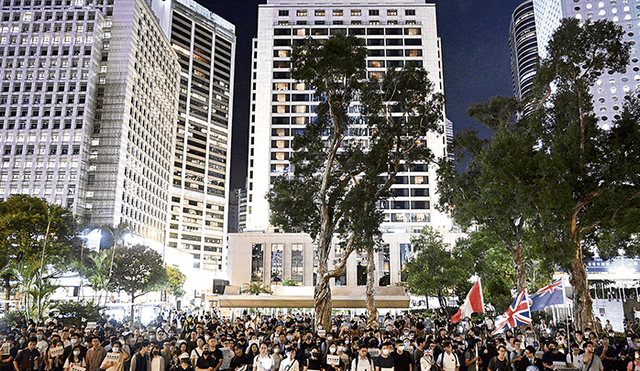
(518, 262)
(582, 302)
(322, 302)
(372, 311)
(7, 293)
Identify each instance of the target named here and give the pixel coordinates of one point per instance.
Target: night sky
(475, 47)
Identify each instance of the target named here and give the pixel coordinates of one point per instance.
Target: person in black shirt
(28, 358)
(206, 362)
(240, 359)
(385, 362)
(314, 363)
(185, 363)
(139, 361)
(403, 360)
(7, 360)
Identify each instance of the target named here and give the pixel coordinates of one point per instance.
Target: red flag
(474, 303)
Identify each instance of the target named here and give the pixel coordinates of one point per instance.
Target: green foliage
(137, 270)
(338, 178)
(24, 223)
(78, 313)
(175, 281)
(289, 282)
(11, 318)
(437, 270)
(255, 288)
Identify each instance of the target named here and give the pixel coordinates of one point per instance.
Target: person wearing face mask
(116, 348)
(290, 363)
(553, 355)
(333, 351)
(75, 359)
(206, 362)
(157, 362)
(277, 356)
(314, 362)
(403, 360)
(385, 362)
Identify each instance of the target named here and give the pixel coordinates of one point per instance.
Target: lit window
(356, 12)
(392, 12)
(337, 12)
(301, 13)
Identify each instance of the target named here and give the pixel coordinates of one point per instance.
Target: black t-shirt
(402, 361)
(206, 362)
(497, 365)
(26, 359)
(13, 352)
(385, 362)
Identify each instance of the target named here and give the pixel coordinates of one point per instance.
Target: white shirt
(449, 362)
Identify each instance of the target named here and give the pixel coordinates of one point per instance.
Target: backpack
(368, 359)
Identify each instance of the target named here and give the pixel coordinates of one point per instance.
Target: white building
(396, 33)
(610, 89)
(88, 109)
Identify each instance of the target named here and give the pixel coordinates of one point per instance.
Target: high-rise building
(88, 109)
(396, 32)
(50, 64)
(133, 134)
(524, 48)
(610, 89)
(205, 44)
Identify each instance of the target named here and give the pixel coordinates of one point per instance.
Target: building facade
(133, 135)
(205, 44)
(88, 109)
(610, 89)
(396, 32)
(50, 64)
(523, 45)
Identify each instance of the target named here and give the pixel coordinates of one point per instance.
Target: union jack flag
(517, 314)
(552, 294)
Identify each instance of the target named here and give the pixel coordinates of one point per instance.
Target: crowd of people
(288, 342)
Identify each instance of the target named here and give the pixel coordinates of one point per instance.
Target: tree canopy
(345, 164)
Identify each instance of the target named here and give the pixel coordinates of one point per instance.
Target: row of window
(413, 205)
(412, 31)
(47, 63)
(370, 42)
(48, 27)
(30, 149)
(340, 12)
(42, 125)
(29, 16)
(352, 22)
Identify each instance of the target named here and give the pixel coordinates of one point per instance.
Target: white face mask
(73, 341)
(76, 352)
(116, 350)
(400, 348)
(386, 352)
(332, 350)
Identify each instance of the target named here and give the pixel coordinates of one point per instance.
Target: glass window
(257, 262)
(277, 251)
(297, 262)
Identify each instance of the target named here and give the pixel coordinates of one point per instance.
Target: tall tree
(497, 189)
(581, 187)
(337, 181)
(137, 270)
